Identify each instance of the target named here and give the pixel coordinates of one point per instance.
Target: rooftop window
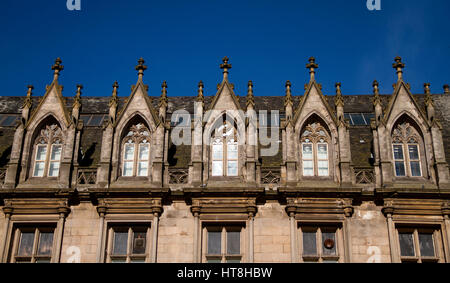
(359, 119)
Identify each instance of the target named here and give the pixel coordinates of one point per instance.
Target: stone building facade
(321, 178)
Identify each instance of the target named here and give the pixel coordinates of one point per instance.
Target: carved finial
(250, 98)
(339, 100)
(141, 67)
(376, 92)
(163, 100)
(200, 97)
(288, 99)
(77, 100)
(428, 98)
(446, 89)
(28, 101)
(114, 98)
(312, 66)
(57, 68)
(225, 67)
(399, 66)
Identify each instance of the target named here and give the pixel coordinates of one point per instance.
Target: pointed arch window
(224, 151)
(406, 151)
(315, 151)
(48, 152)
(136, 152)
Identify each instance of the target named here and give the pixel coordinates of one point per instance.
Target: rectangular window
(217, 156)
(320, 244)
(128, 244)
(223, 244)
(33, 245)
(308, 159)
(414, 160)
(232, 159)
(128, 160)
(39, 161)
(143, 159)
(322, 159)
(55, 160)
(399, 160)
(420, 245)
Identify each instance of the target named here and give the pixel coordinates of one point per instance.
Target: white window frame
(54, 160)
(407, 159)
(327, 159)
(308, 159)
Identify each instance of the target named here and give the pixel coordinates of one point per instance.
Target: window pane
(217, 168)
(406, 244)
(400, 169)
(96, 120)
(323, 168)
(120, 243)
(232, 152)
(214, 242)
(9, 121)
(217, 152)
(398, 152)
(307, 151)
(413, 152)
(329, 243)
(53, 169)
(143, 168)
(143, 151)
(56, 152)
(358, 119)
(309, 243)
(233, 243)
(26, 244)
(232, 168)
(426, 245)
(322, 151)
(308, 169)
(39, 169)
(415, 169)
(41, 153)
(129, 152)
(45, 243)
(128, 169)
(139, 242)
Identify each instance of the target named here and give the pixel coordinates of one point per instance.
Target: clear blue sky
(183, 42)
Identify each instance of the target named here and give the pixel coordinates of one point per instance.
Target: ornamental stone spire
(225, 67)
(399, 66)
(312, 66)
(200, 97)
(339, 100)
(250, 97)
(141, 68)
(57, 68)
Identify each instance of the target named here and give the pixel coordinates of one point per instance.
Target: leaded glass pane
(143, 152)
(143, 168)
(406, 244)
(129, 152)
(232, 151)
(45, 243)
(26, 244)
(307, 151)
(120, 243)
(309, 243)
(329, 243)
(413, 152)
(139, 242)
(218, 151)
(214, 242)
(39, 169)
(217, 168)
(53, 170)
(398, 152)
(400, 169)
(426, 244)
(41, 153)
(308, 169)
(232, 168)
(233, 243)
(322, 151)
(323, 168)
(415, 169)
(56, 152)
(128, 169)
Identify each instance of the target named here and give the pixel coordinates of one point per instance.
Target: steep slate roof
(179, 157)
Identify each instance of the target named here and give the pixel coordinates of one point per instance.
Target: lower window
(33, 244)
(420, 245)
(128, 244)
(320, 244)
(223, 244)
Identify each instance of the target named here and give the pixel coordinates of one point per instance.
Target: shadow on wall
(87, 158)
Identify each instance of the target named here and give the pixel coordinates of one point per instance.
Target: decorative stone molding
(37, 206)
(224, 206)
(130, 206)
(304, 208)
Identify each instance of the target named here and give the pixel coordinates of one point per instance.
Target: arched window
(136, 151)
(406, 151)
(224, 151)
(48, 148)
(314, 151)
